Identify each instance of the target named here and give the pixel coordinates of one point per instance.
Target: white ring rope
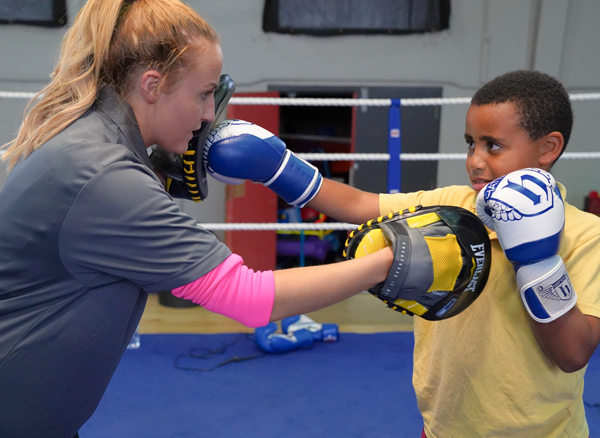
(17, 95)
(309, 101)
(585, 96)
(379, 157)
(420, 156)
(279, 226)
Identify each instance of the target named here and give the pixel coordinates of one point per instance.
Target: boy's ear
(150, 85)
(552, 148)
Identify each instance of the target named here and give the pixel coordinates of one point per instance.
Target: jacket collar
(120, 112)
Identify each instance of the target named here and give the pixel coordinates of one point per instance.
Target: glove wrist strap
(296, 181)
(546, 289)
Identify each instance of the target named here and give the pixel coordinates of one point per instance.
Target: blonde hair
(107, 44)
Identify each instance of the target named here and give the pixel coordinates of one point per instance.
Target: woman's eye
(207, 94)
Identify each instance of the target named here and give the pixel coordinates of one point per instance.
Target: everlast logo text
(479, 252)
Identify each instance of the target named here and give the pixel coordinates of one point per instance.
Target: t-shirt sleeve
(460, 196)
(123, 225)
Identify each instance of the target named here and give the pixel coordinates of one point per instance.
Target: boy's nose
(476, 160)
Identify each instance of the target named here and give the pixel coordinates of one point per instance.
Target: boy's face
(498, 145)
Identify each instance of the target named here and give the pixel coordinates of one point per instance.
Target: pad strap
(402, 253)
(546, 289)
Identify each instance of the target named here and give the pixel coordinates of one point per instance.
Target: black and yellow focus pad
(442, 258)
(186, 173)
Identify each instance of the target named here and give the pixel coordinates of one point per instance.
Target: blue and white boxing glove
(319, 332)
(237, 150)
(526, 210)
(272, 342)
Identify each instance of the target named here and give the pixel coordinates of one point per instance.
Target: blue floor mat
(339, 389)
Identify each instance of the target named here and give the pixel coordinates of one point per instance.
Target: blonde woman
(88, 229)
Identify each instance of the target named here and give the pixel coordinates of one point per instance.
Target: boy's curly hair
(542, 100)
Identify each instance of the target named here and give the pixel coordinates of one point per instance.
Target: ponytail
(108, 42)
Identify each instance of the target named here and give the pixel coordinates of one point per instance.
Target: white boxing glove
(526, 210)
(320, 332)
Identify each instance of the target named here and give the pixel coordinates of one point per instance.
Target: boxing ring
(394, 156)
(156, 358)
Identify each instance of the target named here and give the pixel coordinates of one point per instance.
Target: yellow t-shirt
(482, 372)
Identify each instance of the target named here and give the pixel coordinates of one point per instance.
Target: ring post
(394, 173)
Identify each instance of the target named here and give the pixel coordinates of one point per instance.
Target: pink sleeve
(233, 290)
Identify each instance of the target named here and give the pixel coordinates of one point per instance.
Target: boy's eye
(471, 144)
(494, 146)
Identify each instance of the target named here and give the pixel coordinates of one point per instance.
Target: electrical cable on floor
(200, 353)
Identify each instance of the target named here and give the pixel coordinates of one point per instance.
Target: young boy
(494, 371)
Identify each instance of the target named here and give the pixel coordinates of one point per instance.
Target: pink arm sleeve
(233, 290)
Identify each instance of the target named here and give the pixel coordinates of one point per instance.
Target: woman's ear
(553, 145)
(150, 85)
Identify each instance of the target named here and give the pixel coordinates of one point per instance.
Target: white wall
(486, 38)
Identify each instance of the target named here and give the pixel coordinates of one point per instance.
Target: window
(52, 13)
(340, 17)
